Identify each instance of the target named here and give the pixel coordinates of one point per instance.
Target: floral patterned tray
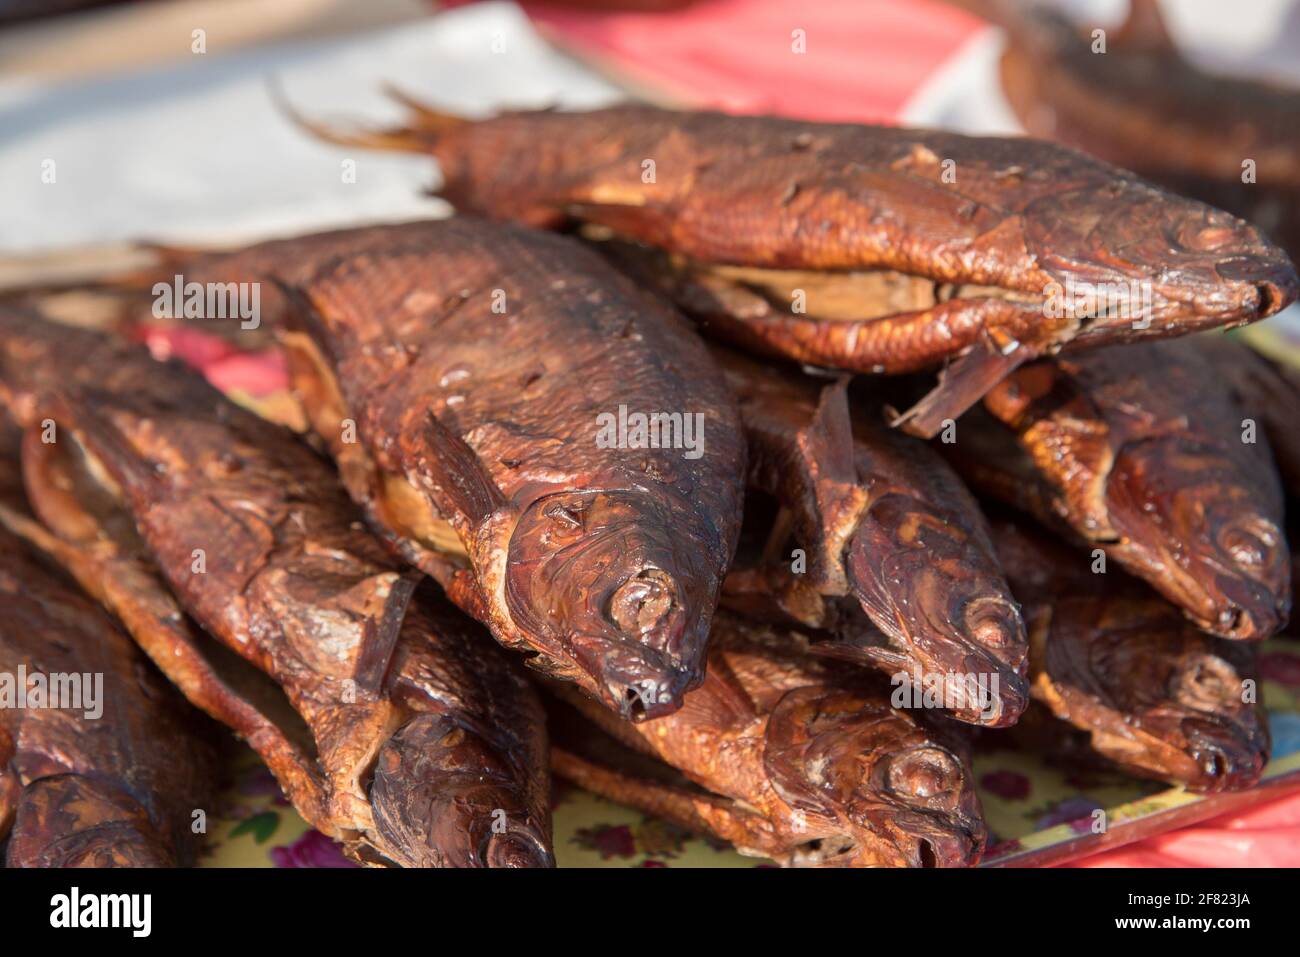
(1037, 813)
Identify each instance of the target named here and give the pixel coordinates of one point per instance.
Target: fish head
(618, 577)
(871, 785)
(74, 820)
(1170, 699)
(939, 595)
(1210, 531)
(445, 795)
(1132, 261)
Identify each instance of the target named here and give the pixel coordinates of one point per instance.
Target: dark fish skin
(1155, 696)
(796, 763)
(1022, 217)
(114, 791)
(882, 517)
(1139, 451)
(1147, 108)
(477, 445)
(384, 675)
(1268, 391)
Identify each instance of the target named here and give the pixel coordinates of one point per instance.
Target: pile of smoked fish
(744, 470)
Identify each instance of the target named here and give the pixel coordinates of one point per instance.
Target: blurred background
(157, 120)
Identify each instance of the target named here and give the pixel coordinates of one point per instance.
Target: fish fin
(962, 384)
(827, 449)
(426, 118)
(167, 261)
(1145, 29)
(828, 439)
(407, 139)
(210, 676)
(868, 656)
(381, 637)
(450, 471)
(79, 411)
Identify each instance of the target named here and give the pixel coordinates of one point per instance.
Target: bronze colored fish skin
(1151, 110)
(409, 732)
(1139, 451)
(1156, 696)
(1268, 391)
(117, 790)
(1023, 218)
(483, 456)
(882, 517)
(796, 763)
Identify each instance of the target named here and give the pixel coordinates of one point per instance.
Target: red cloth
(863, 59)
(1264, 836)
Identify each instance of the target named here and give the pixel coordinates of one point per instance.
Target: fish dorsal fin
(1145, 30)
(826, 454)
(828, 441)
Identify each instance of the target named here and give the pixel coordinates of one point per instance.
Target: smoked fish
(982, 252)
(1153, 695)
(880, 516)
(1118, 677)
(783, 756)
(1142, 451)
(393, 723)
(110, 778)
(479, 376)
(1266, 391)
(1141, 104)
(552, 444)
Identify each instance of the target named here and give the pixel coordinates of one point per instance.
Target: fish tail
(424, 116)
(416, 138)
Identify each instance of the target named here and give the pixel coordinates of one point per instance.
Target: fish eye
(1250, 541)
(566, 514)
(927, 773)
(1208, 682)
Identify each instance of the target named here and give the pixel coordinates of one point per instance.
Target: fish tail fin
(425, 117)
(406, 139)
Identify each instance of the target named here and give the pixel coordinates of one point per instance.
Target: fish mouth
(926, 846)
(1228, 755)
(1198, 268)
(444, 796)
(515, 849)
(1193, 520)
(928, 843)
(610, 578)
(1270, 285)
(637, 682)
